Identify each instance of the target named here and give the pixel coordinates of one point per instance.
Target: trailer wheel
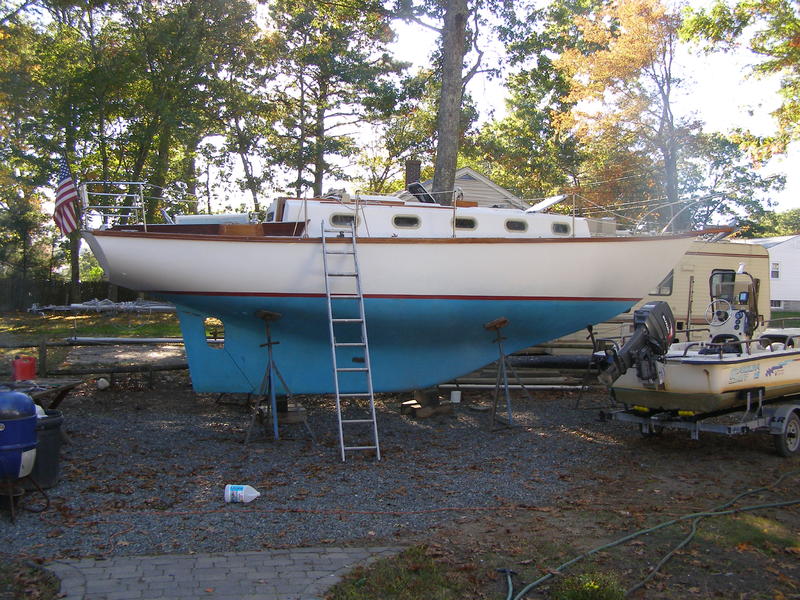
(788, 443)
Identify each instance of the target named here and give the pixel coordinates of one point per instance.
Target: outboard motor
(653, 332)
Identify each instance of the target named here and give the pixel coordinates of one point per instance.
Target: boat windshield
(722, 284)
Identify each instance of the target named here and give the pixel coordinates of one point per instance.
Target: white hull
(613, 268)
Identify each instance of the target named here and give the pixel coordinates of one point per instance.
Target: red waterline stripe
(402, 296)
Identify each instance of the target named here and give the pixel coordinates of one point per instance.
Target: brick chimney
(413, 170)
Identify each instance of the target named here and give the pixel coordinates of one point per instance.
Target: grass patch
(25, 327)
(588, 586)
(751, 532)
(25, 581)
(408, 576)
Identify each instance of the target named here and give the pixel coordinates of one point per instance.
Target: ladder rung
(351, 369)
(347, 320)
(342, 274)
(355, 395)
(360, 447)
(356, 421)
(349, 344)
(345, 231)
(345, 296)
(340, 252)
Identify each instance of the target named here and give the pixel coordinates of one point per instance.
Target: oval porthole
(561, 228)
(466, 223)
(516, 225)
(342, 220)
(406, 221)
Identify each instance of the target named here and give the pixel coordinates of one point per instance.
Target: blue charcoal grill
(17, 441)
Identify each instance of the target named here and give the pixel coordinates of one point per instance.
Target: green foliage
(588, 586)
(772, 28)
(538, 158)
(718, 179)
(769, 224)
(335, 74)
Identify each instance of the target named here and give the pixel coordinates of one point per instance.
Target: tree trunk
(449, 117)
(160, 174)
(189, 175)
(319, 145)
(301, 136)
(242, 148)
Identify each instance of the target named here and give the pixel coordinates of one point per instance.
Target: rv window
(665, 287)
(516, 225)
(466, 223)
(406, 222)
(775, 270)
(340, 220)
(721, 283)
(776, 303)
(561, 228)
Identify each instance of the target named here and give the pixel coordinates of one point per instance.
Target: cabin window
(775, 270)
(215, 331)
(722, 284)
(406, 221)
(342, 220)
(665, 287)
(561, 228)
(776, 303)
(516, 225)
(465, 223)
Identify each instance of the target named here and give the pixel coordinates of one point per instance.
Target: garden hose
(717, 511)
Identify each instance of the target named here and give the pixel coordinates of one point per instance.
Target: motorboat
(738, 363)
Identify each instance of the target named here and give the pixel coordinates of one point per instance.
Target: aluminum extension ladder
(342, 321)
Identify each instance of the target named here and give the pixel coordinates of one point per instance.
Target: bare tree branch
(15, 12)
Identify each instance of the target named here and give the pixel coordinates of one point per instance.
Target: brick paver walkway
(292, 574)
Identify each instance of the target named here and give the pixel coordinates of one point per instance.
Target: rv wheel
(788, 443)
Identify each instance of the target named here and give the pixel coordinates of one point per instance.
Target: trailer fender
(777, 424)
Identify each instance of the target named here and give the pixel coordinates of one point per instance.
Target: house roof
(769, 242)
(468, 173)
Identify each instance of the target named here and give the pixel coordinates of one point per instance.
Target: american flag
(66, 194)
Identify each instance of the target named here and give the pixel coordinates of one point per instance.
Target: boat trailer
(779, 418)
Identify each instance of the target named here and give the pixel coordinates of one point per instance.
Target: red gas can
(23, 368)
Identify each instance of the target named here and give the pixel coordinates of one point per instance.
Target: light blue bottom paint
(414, 343)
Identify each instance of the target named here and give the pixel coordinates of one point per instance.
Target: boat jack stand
(268, 384)
(502, 378)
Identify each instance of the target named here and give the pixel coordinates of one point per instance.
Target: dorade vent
(342, 220)
(406, 221)
(561, 228)
(516, 225)
(466, 223)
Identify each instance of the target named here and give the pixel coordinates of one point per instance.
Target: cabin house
(478, 190)
(784, 270)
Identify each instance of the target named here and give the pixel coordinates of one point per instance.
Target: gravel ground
(145, 469)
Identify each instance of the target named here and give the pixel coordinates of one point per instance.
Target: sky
(718, 90)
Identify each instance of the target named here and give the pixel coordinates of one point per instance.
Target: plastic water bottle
(240, 493)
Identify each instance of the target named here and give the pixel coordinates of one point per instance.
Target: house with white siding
(480, 189)
(784, 270)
